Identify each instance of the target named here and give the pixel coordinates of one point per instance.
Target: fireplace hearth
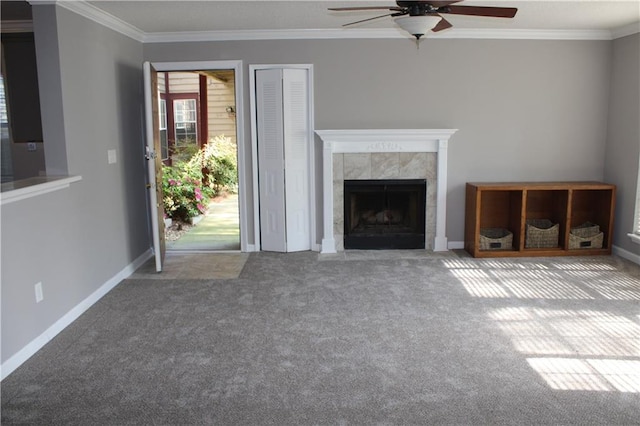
(384, 214)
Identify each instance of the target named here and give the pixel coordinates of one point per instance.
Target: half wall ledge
(33, 187)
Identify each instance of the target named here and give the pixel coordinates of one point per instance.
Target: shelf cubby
(509, 205)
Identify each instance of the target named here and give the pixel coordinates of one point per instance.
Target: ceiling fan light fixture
(418, 26)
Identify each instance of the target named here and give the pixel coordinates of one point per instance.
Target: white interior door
(282, 116)
(154, 161)
(296, 158)
(271, 160)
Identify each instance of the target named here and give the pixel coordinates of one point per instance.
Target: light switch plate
(39, 294)
(112, 156)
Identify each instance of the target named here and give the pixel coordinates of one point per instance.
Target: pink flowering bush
(197, 175)
(183, 194)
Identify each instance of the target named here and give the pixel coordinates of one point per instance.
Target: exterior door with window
(154, 161)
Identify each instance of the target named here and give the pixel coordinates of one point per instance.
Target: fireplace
(384, 214)
(384, 154)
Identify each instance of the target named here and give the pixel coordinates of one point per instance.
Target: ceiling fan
(420, 17)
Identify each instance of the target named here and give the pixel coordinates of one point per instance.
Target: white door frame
(236, 66)
(254, 150)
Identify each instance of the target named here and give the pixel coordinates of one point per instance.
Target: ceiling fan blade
(496, 12)
(344, 9)
(442, 25)
(370, 19)
(438, 3)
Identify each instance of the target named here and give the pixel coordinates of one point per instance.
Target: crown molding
(523, 34)
(82, 8)
(95, 14)
(454, 33)
(626, 30)
(299, 34)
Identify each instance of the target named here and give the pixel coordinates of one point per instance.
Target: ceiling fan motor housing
(417, 9)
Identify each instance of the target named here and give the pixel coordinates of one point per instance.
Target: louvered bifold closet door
(296, 158)
(271, 159)
(282, 100)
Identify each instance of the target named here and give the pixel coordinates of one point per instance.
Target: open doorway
(199, 149)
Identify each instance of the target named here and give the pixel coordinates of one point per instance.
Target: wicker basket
(586, 236)
(541, 233)
(495, 239)
(587, 229)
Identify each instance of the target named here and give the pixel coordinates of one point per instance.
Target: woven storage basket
(586, 236)
(495, 239)
(585, 230)
(541, 233)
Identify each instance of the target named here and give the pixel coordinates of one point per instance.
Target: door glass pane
(185, 122)
(164, 143)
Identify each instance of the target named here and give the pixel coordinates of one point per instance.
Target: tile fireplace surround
(384, 154)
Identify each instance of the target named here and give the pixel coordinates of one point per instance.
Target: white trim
(635, 238)
(625, 254)
(89, 11)
(33, 187)
(455, 245)
(523, 34)
(374, 33)
(627, 30)
(254, 148)
(15, 361)
(237, 66)
(384, 140)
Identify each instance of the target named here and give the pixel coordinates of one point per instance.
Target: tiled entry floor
(195, 266)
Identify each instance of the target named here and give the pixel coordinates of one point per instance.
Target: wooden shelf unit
(509, 205)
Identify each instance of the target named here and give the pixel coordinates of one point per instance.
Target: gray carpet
(357, 338)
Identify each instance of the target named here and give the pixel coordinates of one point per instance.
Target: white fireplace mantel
(384, 140)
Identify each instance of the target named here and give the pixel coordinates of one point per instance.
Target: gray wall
(76, 239)
(623, 136)
(526, 110)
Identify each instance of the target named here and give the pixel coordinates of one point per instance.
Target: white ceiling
(213, 15)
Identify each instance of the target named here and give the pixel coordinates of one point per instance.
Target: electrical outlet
(111, 154)
(31, 146)
(39, 294)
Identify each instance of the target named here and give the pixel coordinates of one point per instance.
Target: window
(186, 124)
(5, 156)
(164, 141)
(21, 121)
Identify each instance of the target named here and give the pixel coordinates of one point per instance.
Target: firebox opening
(384, 214)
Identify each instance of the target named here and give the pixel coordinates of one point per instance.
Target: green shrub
(196, 176)
(219, 165)
(184, 152)
(182, 193)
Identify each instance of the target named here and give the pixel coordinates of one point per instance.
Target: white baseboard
(36, 344)
(455, 245)
(625, 254)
